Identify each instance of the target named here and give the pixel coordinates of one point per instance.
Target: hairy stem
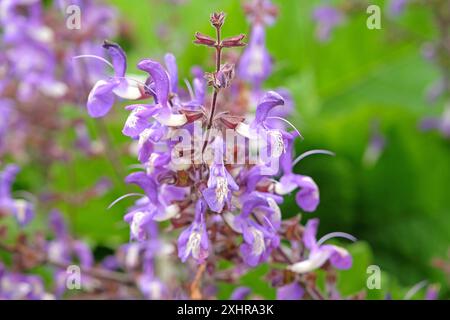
(196, 292)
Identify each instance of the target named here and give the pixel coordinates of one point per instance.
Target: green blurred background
(399, 208)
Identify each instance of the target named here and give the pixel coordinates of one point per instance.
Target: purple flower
(327, 18)
(65, 250)
(172, 69)
(138, 220)
(307, 197)
(375, 146)
(57, 224)
(7, 177)
(220, 182)
(255, 64)
(152, 287)
(62, 248)
(292, 291)
(193, 241)
(21, 209)
(260, 12)
(84, 254)
(319, 253)
(198, 92)
(102, 96)
(396, 7)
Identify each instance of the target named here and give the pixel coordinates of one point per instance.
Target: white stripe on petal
(173, 120)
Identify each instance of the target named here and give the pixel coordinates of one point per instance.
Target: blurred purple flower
(102, 96)
(441, 124)
(396, 7)
(193, 241)
(220, 182)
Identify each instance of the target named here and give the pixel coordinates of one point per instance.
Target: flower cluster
(217, 159)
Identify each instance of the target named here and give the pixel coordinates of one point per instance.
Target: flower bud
(221, 79)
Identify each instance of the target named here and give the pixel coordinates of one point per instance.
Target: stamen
(221, 189)
(136, 166)
(95, 57)
(289, 123)
(139, 82)
(125, 196)
(193, 245)
(269, 223)
(310, 153)
(218, 115)
(278, 143)
(336, 235)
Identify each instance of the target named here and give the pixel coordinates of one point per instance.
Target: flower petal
(310, 234)
(315, 260)
(308, 197)
(339, 258)
(291, 291)
(270, 100)
(137, 121)
(128, 89)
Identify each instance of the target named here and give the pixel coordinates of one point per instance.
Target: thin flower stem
(416, 288)
(95, 57)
